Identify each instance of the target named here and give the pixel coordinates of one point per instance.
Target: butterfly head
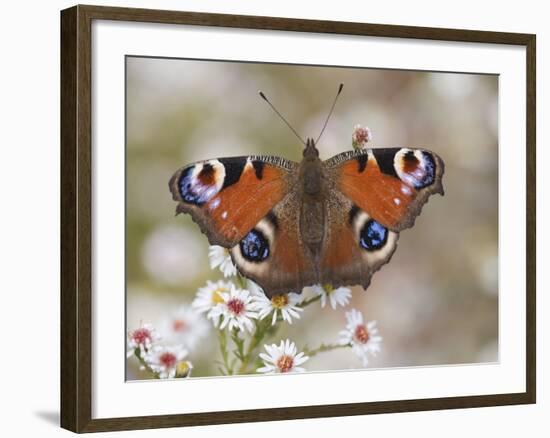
(310, 151)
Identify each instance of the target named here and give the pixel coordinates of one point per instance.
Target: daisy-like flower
(185, 326)
(219, 257)
(339, 296)
(237, 310)
(360, 137)
(165, 360)
(143, 338)
(282, 358)
(363, 337)
(209, 297)
(286, 304)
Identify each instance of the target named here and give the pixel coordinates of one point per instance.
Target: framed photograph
(246, 233)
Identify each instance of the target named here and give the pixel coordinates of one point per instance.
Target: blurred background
(180, 111)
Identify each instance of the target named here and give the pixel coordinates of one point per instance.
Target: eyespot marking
(429, 170)
(373, 235)
(272, 219)
(254, 246)
(207, 175)
(200, 183)
(417, 168)
(410, 162)
(353, 212)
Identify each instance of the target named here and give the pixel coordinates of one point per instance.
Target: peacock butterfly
(289, 225)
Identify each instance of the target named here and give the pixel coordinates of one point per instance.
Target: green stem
(137, 353)
(222, 338)
(309, 301)
(261, 329)
(239, 344)
(241, 280)
(323, 348)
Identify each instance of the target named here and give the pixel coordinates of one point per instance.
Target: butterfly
(289, 225)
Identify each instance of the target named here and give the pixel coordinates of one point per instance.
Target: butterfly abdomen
(312, 224)
(312, 208)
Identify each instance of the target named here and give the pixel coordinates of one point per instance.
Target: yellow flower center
(279, 301)
(216, 295)
(182, 369)
(328, 288)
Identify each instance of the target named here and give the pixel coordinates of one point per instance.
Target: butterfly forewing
(391, 185)
(227, 197)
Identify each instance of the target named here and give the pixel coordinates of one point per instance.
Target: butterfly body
(311, 196)
(289, 225)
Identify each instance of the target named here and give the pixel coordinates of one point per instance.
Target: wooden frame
(76, 225)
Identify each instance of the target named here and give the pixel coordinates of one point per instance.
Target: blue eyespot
(193, 190)
(254, 247)
(422, 176)
(373, 236)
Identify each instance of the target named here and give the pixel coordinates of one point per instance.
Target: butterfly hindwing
(227, 197)
(356, 245)
(391, 185)
(273, 254)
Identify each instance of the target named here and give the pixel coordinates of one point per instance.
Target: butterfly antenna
(330, 112)
(262, 95)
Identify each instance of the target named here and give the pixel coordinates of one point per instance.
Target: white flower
(143, 338)
(184, 326)
(208, 297)
(219, 256)
(282, 358)
(237, 310)
(284, 303)
(363, 338)
(339, 296)
(165, 360)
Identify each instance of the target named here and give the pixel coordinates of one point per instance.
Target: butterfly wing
(273, 253)
(374, 195)
(390, 185)
(227, 197)
(356, 246)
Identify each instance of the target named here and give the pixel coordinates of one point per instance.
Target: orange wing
(390, 185)
(273, 253)
(228, 196)
(356, 246)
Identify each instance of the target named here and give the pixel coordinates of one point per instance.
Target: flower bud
(183, 369)
(361, 135)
